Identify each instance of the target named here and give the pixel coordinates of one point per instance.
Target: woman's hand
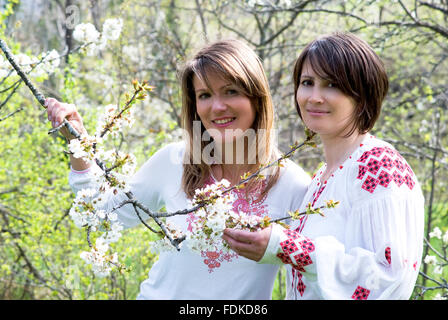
(251, 245)
(58, 111)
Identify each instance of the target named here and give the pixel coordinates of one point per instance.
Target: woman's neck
(230, 172)
(234, 163)
(338, 149)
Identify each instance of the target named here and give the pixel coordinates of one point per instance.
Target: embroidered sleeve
(288, 247)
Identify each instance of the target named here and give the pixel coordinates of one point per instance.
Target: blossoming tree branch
(211, 206)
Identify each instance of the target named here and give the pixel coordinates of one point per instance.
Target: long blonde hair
(239, 64)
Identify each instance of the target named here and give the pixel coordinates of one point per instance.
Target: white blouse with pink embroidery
(370, 245)
(209, 275)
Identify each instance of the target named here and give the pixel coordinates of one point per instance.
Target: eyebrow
(306, 76)
(222, 87)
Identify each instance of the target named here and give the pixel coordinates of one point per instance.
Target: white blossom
(436, 233)
(51, 61)
(109, 119)
(75, 147)
(430, 260)
(114, 234)
(85, 33)
(112, 28)
(164, 244)
(4, 67)
(445, 237)
(132, 52)
(99, 259)
(114, 183)
(86, 211)
(24, 61)
(83, 147)
(94, 48)
(208, 222)
(438, 269)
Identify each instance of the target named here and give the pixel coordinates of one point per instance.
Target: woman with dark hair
(226, 100)
(370, 245)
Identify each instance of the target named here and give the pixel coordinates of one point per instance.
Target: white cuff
(270, 255)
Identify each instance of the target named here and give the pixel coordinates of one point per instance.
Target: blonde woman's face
(224, 110)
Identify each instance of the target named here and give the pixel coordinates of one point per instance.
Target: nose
(316, 95)
(218, 104)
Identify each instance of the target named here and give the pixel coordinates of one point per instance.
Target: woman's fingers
(240, 235)
(54, 111)
(251, 245)
(64, 111)
(242, 248)
(58, 111)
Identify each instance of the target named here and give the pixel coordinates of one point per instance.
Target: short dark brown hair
(354, 67)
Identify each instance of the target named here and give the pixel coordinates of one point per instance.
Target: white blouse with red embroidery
(370, 245)
(209, 275)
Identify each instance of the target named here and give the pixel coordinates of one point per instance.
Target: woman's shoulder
(376, 168)
(293, 174)
(174, 151)
(170, 155)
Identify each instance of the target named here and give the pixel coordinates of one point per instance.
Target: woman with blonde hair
(226, 108)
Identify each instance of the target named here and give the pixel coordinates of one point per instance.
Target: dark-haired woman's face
(324, 108)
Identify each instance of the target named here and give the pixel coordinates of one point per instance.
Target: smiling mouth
(223, 121)
(317, 111)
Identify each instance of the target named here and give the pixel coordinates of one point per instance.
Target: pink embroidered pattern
(381, 166)
(247, 204)
(213, 259)
(360, 293)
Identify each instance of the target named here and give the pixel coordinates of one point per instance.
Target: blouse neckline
(342, 165)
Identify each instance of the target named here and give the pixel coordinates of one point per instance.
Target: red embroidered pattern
(317, 194)
(289, 246)
(300, 285)
(285, 258)
(314, 198)
(388, 255)
(361, 293)
(296, 251)
(246, 203)
(381, 166)
(303, 259)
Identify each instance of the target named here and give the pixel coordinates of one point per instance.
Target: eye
(231, 92)
(306, 82)
(332, 85)
(203, 95)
